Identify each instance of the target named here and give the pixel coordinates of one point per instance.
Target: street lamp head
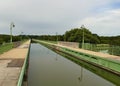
(12, 25)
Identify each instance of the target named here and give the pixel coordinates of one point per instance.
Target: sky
(39, 17)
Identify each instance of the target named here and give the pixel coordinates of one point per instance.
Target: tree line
(76, 35)
(73, 35)
(6, 38)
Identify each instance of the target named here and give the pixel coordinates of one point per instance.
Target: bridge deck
(103, 55)
(11, 63)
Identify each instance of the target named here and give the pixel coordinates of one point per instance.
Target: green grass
(54, 42)
(5, 47)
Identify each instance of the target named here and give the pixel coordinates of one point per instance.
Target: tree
(76, 35)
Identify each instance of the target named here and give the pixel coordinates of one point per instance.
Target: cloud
(51, 16)
(106, 23)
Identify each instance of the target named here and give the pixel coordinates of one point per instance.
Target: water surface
(47, 68)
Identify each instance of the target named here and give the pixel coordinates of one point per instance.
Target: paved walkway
(103, 55)
(11, 63)
(99, 54)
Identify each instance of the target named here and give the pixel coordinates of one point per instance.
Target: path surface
(103, 55)
(11, 63)
(99, 54)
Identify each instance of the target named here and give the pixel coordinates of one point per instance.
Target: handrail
(21, 77)
(20, 80)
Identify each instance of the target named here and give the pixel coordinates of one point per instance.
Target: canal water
(47, 68)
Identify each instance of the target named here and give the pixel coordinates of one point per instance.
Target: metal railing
(105, 48)
(23, 70)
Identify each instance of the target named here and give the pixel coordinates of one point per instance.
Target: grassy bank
(5, 47)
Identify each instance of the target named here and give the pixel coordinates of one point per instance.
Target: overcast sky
(50, 16)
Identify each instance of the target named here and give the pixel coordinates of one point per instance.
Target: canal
(48, 68)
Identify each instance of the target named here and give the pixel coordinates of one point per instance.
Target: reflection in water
(67, 71)
(81, 75)
(56, 57)
(47, 51)
(103, 73)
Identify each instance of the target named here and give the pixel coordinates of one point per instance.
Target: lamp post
(11, 26)
(83, 39)
(21, 35)
(56, 36)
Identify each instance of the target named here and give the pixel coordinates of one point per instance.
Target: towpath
(99, 54)
(11, 63)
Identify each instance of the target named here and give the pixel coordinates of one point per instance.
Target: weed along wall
(105, 63)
